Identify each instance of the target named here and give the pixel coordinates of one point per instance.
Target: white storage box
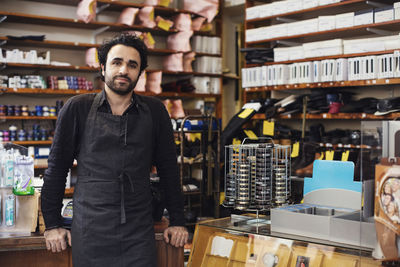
(326, 23)
(344, 20)
(323, 48)
(396, 7)
(364, 17)
(384, 14)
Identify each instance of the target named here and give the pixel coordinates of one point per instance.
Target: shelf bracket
(99, 9)
(379, 31)
(2, 18)
(288, 43)
(376, 4)
(97, 32)
(3, 42)
(3, 66)
(287, 20)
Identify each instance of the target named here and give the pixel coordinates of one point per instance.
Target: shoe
(308, 170)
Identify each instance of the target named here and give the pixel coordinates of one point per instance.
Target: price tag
(295, 150)
(329, 155)
(364, 115)
(374, 81)
(387, 81)
(245, 113)
(250, 134)
(163, 24)
(150, 38)
(345, 155)
(236, 141)
(268, 128)
(164, 3)
(221, 197)
(324, 115)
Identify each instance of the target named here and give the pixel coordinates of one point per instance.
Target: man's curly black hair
(127, 40)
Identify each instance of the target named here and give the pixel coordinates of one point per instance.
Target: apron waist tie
(121, 181)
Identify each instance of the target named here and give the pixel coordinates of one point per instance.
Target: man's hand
(56, 239)
(179, 236)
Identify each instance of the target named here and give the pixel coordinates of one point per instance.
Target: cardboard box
(326, 23)
(344, 20)
(363, 17)
(384, 14)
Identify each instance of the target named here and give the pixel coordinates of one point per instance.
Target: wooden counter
(30, 251)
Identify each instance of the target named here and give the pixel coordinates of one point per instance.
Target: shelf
(337, 116)
(50, 67)
(90, 69)
(323, 58)
(28, 118)
(83, 46)
(353, 4)
(46, 91)
(336, 33)
(388, 81)
(32, 143)
(14, 17)
(119, 6)
(180, 95)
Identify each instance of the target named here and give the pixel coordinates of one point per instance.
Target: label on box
(295, 151)
(245, 113)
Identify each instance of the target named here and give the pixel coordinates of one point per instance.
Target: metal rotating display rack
(257, 176)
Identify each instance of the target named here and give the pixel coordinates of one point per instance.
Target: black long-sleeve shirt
(67, 142)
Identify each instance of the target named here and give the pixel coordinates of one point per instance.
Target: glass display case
(244, 241)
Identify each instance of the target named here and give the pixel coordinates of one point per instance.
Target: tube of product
(10, 210)
(9, 168)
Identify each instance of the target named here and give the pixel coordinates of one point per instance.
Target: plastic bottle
(8, 163)
(10, 210)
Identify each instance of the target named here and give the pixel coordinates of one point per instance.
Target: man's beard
(112, 84)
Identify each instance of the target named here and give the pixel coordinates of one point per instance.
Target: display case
(237, 241)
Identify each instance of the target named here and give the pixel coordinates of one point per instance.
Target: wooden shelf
(353, 4)
(90, 69)
(83, 46)
(388, 81)
(14, 17)
(336, 33)
(337, 116)
(32, 143)
(45, 91)
(119, 6)
(323, 58)
(80, 92)
(51, 67)
(28, 118)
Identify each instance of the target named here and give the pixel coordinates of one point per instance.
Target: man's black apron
(112, 223)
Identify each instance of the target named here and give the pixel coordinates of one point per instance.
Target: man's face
(122, 69)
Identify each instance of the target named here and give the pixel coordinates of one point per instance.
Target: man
(116, 136)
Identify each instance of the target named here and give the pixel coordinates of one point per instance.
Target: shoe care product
(1, 210)
(9, 203)
(8, 167)
(23, 175)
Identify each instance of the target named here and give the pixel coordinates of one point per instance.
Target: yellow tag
(295, 150)
(194, 136)
(250, 134)
(236, 141)
(245, 113)
(322, 156)
(163, 24)
(97, 56)
(151, 15)
(177, 142)
(207, 27)
(345, 155)
(92, 7)
(329, 155)
(150, 38)
(164, 3)
(221, 197)
(268, 128)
